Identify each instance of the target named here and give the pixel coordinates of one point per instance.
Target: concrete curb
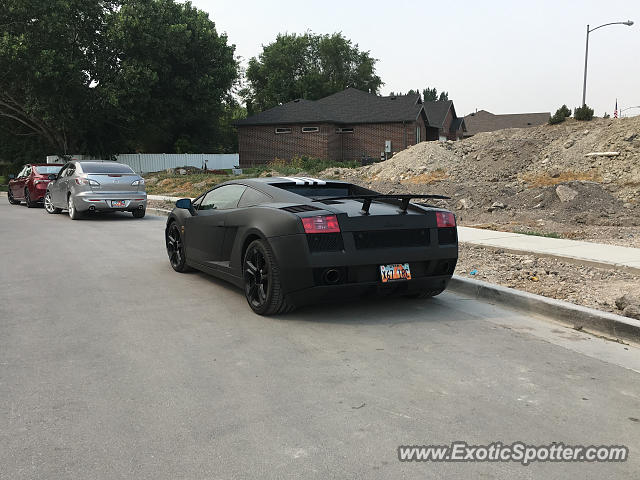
(576, 316)
(160, 212)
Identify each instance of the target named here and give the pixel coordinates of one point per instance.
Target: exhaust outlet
(331, 276)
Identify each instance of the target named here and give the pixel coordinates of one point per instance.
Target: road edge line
(576, 316)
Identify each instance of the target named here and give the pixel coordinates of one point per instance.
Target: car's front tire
(48, 204)
(12, 200)
(73, 211)
(27, 199)
(261, 275)
(139, 213)
(175, 248)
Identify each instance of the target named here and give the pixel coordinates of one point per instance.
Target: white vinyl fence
(156, 162)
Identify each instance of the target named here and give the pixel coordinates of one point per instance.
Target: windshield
(105, 167)
(46, 170)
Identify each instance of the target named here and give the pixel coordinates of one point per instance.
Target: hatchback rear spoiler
(367, 199)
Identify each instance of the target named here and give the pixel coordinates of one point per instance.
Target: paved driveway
(113, 366)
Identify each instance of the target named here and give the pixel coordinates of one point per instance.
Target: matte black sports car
(291, 241)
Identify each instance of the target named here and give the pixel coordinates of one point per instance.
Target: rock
(632, 311)
(625, 300)
(151, 180)
(569, 143)
(464, 204)
(495, 206)
(182, 171)
(566, 194)
(171, 171)
(200, 184)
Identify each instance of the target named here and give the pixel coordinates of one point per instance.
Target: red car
(31, 183)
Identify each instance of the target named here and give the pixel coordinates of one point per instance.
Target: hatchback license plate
(117, 203)
(395, 272)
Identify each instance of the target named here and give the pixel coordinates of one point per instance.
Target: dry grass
(430, 177)
(547, 180)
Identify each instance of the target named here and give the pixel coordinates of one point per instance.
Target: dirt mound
(523, 169)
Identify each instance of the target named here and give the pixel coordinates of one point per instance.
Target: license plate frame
(395, 272)
(118, 203)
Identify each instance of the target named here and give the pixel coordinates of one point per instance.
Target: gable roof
(350, 106)
(437, 112)
(483, 121)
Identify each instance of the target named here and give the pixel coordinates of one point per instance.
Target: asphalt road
(114, 366)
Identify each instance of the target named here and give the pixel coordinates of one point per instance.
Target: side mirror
(11, 176)
(53, 176)
(184, 203)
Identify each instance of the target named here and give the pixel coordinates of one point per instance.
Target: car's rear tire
(139, 213)
(12, 200)
(175, 248)
(262, 286)
(425, 294)
(74, 214)
(27, 199)
(48, 204)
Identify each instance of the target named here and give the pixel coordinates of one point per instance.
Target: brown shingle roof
(484, 121)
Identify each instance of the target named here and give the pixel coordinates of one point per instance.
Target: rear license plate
(117, 203)
(395, 272)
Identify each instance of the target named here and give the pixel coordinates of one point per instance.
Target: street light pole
(628, 23)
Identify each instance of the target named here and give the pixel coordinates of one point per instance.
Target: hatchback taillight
(445, 219)
(321, 224)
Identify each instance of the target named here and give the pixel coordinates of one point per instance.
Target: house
(348, 125)
(484, 121)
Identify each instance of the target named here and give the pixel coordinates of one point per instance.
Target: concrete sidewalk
(585, 253)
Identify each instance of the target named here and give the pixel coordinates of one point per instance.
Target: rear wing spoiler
(367, 199)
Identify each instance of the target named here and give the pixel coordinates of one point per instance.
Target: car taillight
(86, 181)
(321, 224)
(445, 219)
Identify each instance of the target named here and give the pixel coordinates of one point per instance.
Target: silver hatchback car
(96, 185)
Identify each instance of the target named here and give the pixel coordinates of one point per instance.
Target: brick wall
(260, 144)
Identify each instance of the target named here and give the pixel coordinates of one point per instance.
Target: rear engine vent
(447, 236)
(392, 238)
(331, 202)
(300, 208)
(325, 242)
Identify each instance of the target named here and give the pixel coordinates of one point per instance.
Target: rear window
(312, 191)
(42, 170)
(114, 167)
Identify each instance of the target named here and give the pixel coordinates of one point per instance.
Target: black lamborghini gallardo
(290, 241)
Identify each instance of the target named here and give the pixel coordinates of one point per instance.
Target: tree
(443, 96)
(430, 94)
(103, 76)
(309, 66)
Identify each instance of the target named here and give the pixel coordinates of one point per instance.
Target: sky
(502, 56)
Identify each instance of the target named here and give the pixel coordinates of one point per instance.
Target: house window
(418, 134)
(283, 130)
(310, 129)
(344, 130)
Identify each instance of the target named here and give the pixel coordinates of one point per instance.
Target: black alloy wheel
(262, 280)
(175, 249)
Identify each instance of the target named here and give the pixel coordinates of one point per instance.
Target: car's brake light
(445, 219)
(86, 181)
(321, 224)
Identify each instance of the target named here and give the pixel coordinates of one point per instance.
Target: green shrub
(583, 113)
(560, 115)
